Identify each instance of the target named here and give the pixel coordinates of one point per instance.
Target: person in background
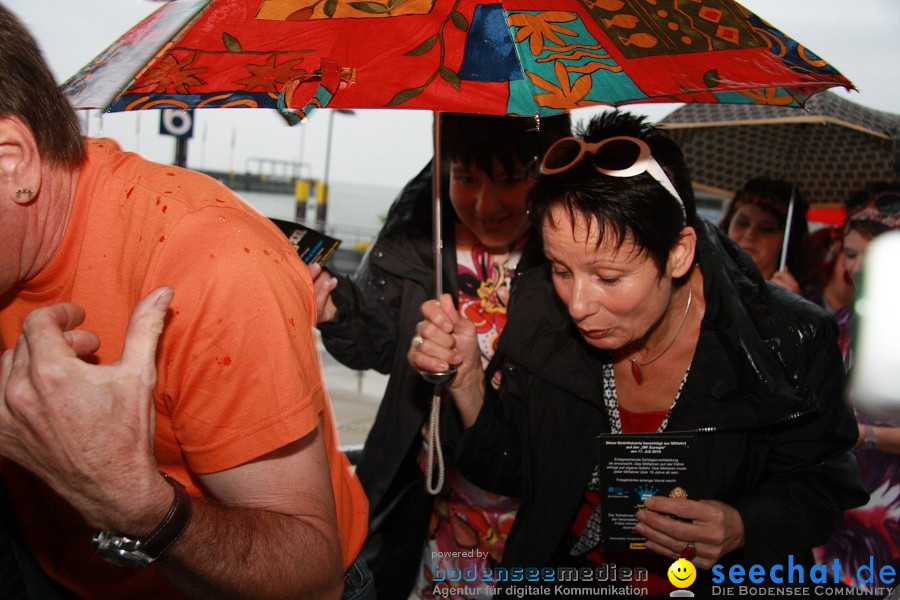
(647, 320)
(870, 532)
(755, 220)
(162, 417)
(833, 284)
(368, 322)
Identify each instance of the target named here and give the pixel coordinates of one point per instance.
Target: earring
(24, 192)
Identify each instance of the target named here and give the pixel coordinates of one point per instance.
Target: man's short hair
(30, 93)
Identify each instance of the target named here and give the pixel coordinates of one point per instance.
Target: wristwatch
(869, 441)
(130, 551)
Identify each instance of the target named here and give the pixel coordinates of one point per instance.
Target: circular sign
(177, 122)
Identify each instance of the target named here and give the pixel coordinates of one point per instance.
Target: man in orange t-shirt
(184, 425)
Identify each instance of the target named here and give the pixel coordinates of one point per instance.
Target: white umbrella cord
(433, 440)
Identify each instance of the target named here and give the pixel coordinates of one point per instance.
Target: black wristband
(172, 525)
(129, 551)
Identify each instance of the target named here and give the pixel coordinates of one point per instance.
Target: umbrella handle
(330, 74)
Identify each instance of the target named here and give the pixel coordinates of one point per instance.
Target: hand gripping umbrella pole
(330, 75)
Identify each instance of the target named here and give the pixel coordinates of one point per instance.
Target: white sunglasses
(618, 160)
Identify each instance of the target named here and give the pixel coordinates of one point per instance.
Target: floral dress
(469, 525)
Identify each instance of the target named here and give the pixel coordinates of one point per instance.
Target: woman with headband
(648, 320)
(756, 220)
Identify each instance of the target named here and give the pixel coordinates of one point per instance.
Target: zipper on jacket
(717, 429)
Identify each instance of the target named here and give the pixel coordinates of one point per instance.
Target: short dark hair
(774, 196)
(30, 93)
(477, 140)
(637, 206)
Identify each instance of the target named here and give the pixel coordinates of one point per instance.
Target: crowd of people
(165, 431)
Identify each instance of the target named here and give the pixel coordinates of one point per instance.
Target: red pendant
(637, 372)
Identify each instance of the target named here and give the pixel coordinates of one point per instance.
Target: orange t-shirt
(238, 368)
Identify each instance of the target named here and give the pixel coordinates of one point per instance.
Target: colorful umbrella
(517, 57)
(828, 151)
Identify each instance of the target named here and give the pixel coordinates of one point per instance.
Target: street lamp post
(322, 191)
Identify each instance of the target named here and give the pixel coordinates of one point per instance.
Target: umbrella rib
(824, 120)
(202, 51)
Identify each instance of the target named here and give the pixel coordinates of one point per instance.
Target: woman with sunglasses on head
(756, 220)
(870, 531)
(648, 320)
(368, 321)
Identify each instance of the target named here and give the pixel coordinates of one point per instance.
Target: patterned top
(467, 520)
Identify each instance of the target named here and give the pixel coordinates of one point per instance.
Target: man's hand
(86, 430)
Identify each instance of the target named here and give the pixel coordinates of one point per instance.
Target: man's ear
(20, 161)
(681, 257)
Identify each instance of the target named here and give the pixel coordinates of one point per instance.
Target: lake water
(354, 211)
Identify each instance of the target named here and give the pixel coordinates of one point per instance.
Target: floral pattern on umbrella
(491, 56)
(303, 10)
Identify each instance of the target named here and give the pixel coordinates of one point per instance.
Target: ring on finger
(416, 342)
(689, 551)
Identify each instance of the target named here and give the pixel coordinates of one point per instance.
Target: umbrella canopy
(829, 150)
(517, 57)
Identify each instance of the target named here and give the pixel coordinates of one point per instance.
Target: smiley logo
(682, 573)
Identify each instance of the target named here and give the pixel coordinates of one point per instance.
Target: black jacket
(764, 395)
(377, 312)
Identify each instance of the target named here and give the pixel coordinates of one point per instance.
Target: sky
(388, 147)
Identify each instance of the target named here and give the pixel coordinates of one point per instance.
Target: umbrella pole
(436, 210)
(787, 230)
(449, 374)
(789, 221)
(435, 454)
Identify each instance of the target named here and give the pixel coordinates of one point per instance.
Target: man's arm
(87, 431)
(273, 535)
